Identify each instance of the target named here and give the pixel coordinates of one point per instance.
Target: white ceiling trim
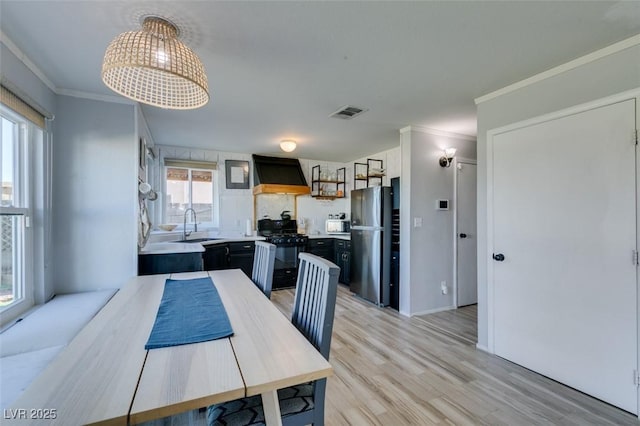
(437, 132)
(13, 48)
(95, 96)
(594, 56)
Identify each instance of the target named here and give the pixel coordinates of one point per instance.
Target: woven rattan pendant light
(153, 67)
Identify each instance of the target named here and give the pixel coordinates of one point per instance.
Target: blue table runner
(190, 312)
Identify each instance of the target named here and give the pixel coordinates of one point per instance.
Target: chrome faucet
(184, 223)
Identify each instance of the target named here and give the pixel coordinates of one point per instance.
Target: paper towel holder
(249, 228)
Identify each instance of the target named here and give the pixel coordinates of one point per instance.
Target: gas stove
(287, 239)
(281, 232)
(288, 244)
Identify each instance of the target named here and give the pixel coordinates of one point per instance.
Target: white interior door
(466, 245)
(564, 206)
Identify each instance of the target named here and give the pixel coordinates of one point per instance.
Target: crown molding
(437, 132)
(591, 57)
(13, 48)
(22, 57)
(95, 96)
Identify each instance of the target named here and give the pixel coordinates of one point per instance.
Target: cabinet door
(323, 248)
(241, 256)
(243, 261)
(345, 268)
(394, 300)
(216, 257)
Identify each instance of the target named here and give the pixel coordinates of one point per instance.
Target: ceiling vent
(348, 112)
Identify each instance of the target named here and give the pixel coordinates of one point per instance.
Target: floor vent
(348, 112)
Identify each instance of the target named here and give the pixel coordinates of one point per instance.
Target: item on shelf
(376, 172)
(328, 185)
(167, 227)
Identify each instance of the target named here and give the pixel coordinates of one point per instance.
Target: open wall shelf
(326, 185)
(368, 174)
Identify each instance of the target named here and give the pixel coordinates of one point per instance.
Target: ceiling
(277, 70)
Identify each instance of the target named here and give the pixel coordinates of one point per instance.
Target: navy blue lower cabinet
(395, 280)
(149, 264)
(215, 257)
(343, 260)
(241, 256)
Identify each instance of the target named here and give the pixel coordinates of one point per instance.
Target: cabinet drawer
(242, 247)
(343, 245)
(321, 242)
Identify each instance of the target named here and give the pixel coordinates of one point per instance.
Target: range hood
(277, 175)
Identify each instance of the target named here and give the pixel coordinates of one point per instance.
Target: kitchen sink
(196, 240)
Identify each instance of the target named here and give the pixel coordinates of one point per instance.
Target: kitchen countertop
(224, 240)
(345, 236)
(175, 247)
(171, 248)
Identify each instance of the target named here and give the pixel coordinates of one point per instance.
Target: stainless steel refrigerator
(371, 243)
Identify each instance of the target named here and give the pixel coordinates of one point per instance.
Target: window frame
(24, 168)
(215, 200)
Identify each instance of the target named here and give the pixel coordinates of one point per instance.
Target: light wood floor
(393, 370)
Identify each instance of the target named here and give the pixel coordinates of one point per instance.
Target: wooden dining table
(105, 376)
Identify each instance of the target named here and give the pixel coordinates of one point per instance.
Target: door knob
(463, 235)
(498, 257)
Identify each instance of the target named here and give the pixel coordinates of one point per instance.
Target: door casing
(457, 161)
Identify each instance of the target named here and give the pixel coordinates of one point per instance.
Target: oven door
(286, 257)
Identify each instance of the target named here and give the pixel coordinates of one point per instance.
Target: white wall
(607, 75)
(427, 251)
(94, 194)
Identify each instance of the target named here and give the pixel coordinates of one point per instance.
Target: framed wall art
(237, 174)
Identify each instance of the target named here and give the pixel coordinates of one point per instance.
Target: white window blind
(12, 101)
(190, 164)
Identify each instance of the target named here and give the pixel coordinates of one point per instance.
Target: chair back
(264, 260)
(315, 300)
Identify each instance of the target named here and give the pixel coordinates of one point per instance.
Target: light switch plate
(417, 222)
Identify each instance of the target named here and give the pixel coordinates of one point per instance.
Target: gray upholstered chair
(313, 313)
(263, 263)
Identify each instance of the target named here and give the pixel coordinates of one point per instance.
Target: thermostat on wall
(442, 204)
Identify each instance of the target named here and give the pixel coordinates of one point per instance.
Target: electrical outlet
(443, 287)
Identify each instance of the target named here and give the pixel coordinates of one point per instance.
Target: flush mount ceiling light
(153, 67)
(449, 153)
(288, 145)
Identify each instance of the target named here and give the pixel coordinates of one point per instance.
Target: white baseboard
(433, 311)
(482, 348)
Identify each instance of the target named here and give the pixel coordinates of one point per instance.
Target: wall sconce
(288, 145)
(449, 153)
